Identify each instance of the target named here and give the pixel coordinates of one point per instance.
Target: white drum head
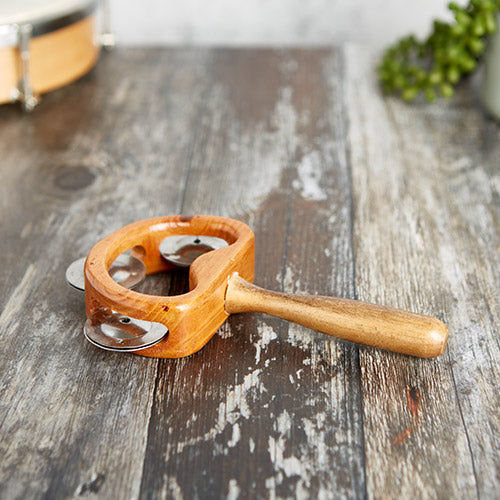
(38, 11)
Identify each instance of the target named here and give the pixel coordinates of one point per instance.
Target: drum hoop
(8, 32)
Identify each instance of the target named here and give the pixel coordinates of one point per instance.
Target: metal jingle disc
(182, 250)
(113, 331)
(125, 270)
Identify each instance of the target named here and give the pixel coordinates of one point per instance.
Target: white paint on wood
(233, 490)
(266, 335)
(231, 412)
(300, 337)
(289, 280)
(309, 178)
(289, 465)
(17, 299)
(284, 423)
(235, 436)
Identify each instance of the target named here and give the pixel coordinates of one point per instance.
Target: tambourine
(44, 45)
(220, 255)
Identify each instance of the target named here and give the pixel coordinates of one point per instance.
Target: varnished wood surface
(348, 193)
(360, 322)
(191, 318)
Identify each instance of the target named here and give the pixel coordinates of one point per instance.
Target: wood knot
(74, 178)
(93, 486)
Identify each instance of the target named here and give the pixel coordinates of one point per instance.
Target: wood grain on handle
(360, 322)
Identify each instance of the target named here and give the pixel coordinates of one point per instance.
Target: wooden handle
(360, 322)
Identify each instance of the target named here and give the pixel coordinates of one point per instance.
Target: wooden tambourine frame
(191, 318)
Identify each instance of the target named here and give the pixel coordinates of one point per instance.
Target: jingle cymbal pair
(220, 255)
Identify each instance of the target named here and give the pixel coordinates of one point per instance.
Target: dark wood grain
(349, 194)
(278, 412)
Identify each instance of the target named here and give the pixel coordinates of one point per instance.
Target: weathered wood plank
(74, 418)
(268, 410)
(427, 238)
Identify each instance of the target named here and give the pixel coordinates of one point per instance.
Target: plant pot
(490, 91)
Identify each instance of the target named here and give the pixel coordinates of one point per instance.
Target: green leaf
(453, 53)
(478, 27)
(446, 90)
(400, 81)
(462, 18)
(490, 23)
(467, 63)
(435, 77)
(458, 29)
(476, 46)
(453, 74)
(430, 94)
(409, 94)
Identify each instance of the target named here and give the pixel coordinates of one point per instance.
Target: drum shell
(56, 59)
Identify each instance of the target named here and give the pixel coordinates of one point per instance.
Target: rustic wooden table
(349, 194)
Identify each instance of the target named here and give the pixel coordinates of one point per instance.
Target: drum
(44, 44)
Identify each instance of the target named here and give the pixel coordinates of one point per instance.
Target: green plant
(434, 66)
